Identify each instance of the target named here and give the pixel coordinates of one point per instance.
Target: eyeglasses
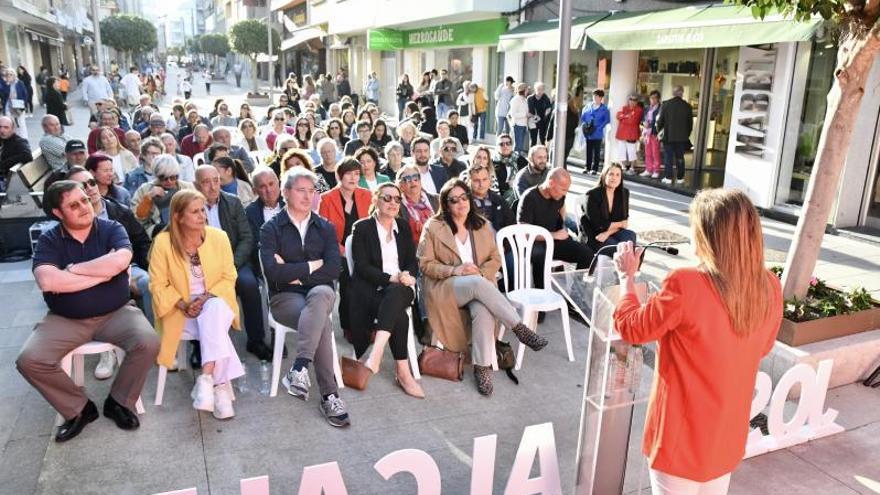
(505, 143)
(454, 200)
(164, 178)
(450, 150)
(406, 179)
(89, 183)
(389, 198)
(78, 205)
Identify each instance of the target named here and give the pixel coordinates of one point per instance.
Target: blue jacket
(600, 117)
(136, 178)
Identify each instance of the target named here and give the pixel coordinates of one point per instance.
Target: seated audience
(14, 149)
(489, 203)
(101, 167)
(605, 221)
(187, 167)
(268, 204)
(364, 132)
(233, 179)
(81, 265)
(278, 126)
(192, 277)
(443, 133)
(222, 136)
(507, 163)
(152, 199)
(369, 160)
(457, 130)
(107, 119)
(74, 154)
(300, 255)
(418, 204)
(122, 159)
(535, 172)
(433, 176)
(329, 159)
(447, 158)
(53, 142)
(393, 160)
(197, 142)
(458, 260)
(250, 141)
(383, 285)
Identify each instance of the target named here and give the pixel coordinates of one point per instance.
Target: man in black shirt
(446, 159)
(457, 130)
(14, 149)
(544, 206)
(539, 108)
(81, 265)
(507, 163)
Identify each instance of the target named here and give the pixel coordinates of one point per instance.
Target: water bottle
(634, 362)
(242, 381)
(265, 372)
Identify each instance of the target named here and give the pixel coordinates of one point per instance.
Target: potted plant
(826, 313)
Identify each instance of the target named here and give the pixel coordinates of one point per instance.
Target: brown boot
(483, 375)
(528, 337)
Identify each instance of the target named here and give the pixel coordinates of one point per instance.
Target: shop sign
(462, 34)
(757, 66)
(675, 38)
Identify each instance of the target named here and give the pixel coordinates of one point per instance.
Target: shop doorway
(716, 129)
(873, 218)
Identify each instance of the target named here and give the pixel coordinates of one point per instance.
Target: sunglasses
(505, 143)
(454, 200)
(389, 198)
(163, 178)
(450, 150)
(282, 119)
(406, 179)
(89, 183)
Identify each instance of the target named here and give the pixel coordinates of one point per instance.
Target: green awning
(543, 36)
(709, 26)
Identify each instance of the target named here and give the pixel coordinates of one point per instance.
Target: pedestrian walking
(593, 121)
(649, 137)
(55, 104)
(41, 82)
(208, 75)
(186, 88)
(503, 95)
(628, 119)
(25, 77)
(237, 69)
(518, 115)
(404, 94)
(540, 108)
(674, 125)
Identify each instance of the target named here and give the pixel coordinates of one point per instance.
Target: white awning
(301, 36)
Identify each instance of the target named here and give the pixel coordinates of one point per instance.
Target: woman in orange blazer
(344, 205)
(707, 353)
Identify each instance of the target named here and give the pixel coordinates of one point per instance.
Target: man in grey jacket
(674, 126)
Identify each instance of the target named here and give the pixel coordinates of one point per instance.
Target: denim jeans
(521, 138)
(480, 126)
(621, 235)
(142, 282)
(503, 126)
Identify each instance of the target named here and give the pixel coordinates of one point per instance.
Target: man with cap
(53, 142)
(75, 154)
(156, 128)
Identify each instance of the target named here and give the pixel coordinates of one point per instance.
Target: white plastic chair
(411, 335)
(74, 365)
(199, 159)
(281, 332)
(521, 239)
(182, 360)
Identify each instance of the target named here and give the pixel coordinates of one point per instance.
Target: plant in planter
(825, 313)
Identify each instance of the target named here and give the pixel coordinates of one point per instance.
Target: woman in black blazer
(383, 284)
(55, 102)
(605, 221)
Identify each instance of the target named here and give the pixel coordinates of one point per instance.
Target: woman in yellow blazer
(192, 279)
(458, 259)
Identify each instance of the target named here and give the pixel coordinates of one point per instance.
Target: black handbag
(587, 128)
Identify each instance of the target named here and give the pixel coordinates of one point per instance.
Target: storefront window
(461, 64)
(820, 77)
(663, 70)
(720, 115)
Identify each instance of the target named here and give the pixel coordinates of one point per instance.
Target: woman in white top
(458, 260)
(124, 161)
(519, 118)
(443, 132)
(250, 141)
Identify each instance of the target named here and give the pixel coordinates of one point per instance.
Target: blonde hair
(179, 203)
(730, 246)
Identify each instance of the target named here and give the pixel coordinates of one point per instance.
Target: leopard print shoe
(483, 375)
(528, 337)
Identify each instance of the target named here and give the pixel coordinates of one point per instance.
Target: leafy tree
(250, 38)
(214, 44)
(857, 23)
(129, 34)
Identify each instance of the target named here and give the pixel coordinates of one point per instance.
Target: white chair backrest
(259, 157)
(199, 159)
(348, 256)
(521, 240)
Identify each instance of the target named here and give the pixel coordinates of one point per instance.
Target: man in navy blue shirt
(300, 257)
(81, 265)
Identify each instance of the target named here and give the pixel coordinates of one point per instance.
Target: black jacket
(676, 121)
(500, 215)
(140, 241)
(366, 253)
(453, 170)
(539, 108)
(55, 105)
(13, 151)
(460, 132)
(235, 223)
(598, 217)
(254, 214)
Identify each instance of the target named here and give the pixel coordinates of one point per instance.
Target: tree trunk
(855, 57)
(254, 74)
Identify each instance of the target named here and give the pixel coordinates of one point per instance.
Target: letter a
(413, 461)
(536, 440)
(322, 479)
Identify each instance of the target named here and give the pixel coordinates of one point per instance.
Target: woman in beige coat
(459, 259)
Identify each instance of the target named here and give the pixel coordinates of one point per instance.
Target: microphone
(653, 245)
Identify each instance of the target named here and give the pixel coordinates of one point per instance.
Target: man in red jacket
(197, 142)
(628, 119)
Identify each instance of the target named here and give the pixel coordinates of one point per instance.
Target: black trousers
(594, 161)
(568, 250)
(247, 288)
(388, 308)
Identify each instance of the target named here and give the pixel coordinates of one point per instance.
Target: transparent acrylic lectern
(616, 387)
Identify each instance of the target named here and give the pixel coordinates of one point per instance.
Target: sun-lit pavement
(176, 447)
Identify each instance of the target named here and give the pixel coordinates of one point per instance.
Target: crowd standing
(323, 198)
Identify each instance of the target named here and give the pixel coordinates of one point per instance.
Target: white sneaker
(630, 171)
(645, 174)
(223, 402)
(667, 181)
(655, 175)
(104, 370)
(203, 393)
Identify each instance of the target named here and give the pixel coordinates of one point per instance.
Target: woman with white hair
(187, 167)
(406, 132)
(393, 159)
(151, 201)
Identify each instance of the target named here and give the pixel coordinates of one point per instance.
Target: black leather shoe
(260, 349)
(195, 355)
(72, 427)
(121, 415)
